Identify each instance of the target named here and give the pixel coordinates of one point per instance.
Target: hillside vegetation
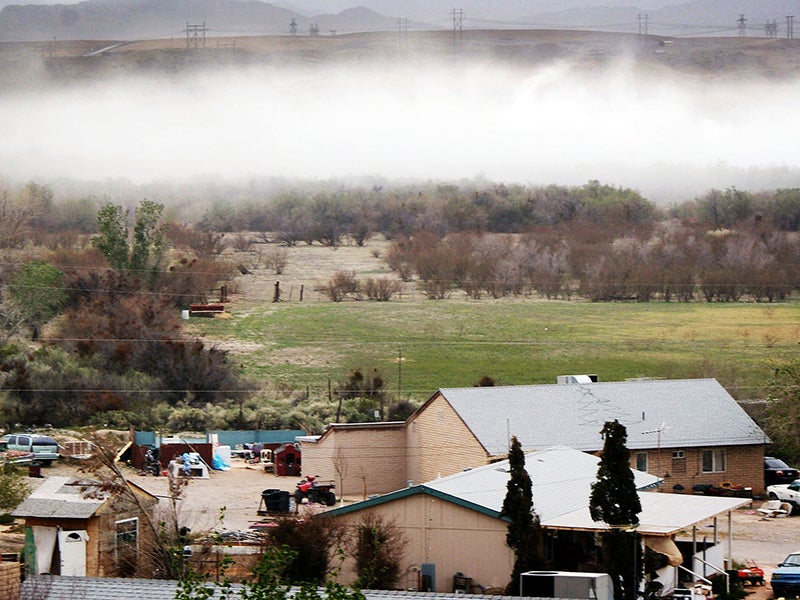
(341, 305)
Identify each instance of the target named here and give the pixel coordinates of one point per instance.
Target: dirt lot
(238, 491)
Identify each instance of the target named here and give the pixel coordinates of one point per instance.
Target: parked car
(14, 457)
(777, 471)
(44, 448)
(786, 493)
(785, 580)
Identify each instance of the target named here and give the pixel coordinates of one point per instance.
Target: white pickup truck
(786, 492)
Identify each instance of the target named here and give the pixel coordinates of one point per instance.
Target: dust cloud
(669, 138)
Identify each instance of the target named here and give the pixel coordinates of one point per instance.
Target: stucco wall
(450, 537)
(361, 460)
(744, 466)
(439, 444)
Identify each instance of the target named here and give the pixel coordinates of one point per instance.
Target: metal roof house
(69, 533)
(689, 432)
(453, 524)
(45, 587)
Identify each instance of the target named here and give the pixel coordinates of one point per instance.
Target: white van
(44, 448)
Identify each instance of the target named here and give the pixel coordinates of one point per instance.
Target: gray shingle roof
(58, 498)
(689, 413)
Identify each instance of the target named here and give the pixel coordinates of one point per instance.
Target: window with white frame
(713, 460)
(678, 461)
(126, 545)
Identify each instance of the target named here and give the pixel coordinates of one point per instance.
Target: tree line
(97, 285)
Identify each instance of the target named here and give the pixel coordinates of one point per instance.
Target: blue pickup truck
(785, 580)
(43, 449)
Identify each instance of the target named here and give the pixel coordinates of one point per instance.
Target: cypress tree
(615, 501)
(524, 529)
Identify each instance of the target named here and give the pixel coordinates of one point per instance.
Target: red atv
(313, 490)
(752, 573)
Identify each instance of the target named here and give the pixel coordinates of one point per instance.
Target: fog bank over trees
(670, 138)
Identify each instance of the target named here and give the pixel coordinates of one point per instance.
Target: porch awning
(664, 545)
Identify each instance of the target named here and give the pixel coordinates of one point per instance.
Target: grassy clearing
(453, 343)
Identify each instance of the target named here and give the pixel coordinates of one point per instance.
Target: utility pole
(642, 19)
(789, 27)
(742, 24)
(402, 32)
(399, 360)
(458, 25)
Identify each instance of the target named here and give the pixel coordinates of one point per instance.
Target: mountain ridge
(148, 19)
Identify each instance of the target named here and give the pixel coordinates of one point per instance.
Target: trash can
(34, 470)
(276, 500)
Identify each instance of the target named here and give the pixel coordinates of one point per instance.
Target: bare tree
(164, 550)
(340, 466)
(276, 258)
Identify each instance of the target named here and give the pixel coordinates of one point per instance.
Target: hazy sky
(669, 139)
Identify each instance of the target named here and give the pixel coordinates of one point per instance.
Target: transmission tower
(402, 32)
(196, 35)
(293, 27)
(790, 26)
(642, 19)
(771, 29)
(742, 24)
(458, 24)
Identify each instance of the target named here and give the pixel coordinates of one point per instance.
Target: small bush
(342, 285)
(382, 289)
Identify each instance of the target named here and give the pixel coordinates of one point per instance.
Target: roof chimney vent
(569, 379)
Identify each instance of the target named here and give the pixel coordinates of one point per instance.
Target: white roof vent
(568, 379)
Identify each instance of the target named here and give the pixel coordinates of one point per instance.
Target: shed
(69, 533)
(287, 459)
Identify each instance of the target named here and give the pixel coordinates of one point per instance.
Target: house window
(713, 460)
(641, 461)
(678, 461)
(126, 538)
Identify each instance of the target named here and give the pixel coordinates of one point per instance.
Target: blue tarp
(218, 463)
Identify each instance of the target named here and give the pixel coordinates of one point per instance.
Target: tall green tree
(112, 240)
(149, 237)
(524, 529)
(37, 290)
(615, 501)
(145, 251)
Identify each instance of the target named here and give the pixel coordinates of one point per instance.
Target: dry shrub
(342, 285)
(382, 289)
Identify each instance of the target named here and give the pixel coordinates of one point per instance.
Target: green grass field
(453, 343)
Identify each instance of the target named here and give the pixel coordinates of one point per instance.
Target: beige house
(455, 535)
(689, 432)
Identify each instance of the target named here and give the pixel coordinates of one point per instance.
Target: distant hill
(147, 19)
